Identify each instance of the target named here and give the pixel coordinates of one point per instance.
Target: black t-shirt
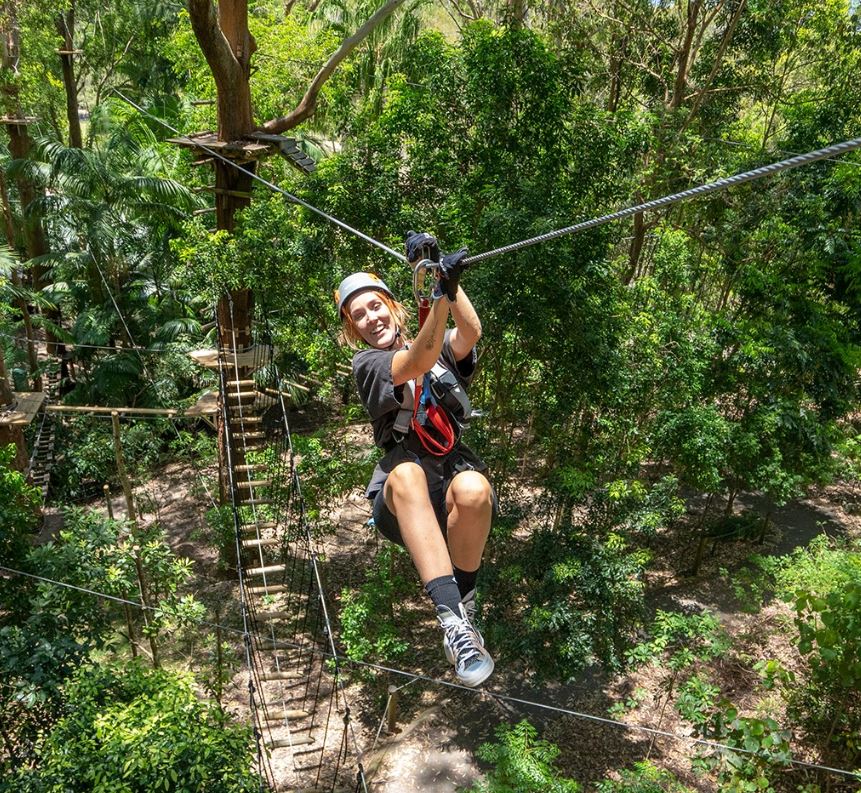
(383, 400)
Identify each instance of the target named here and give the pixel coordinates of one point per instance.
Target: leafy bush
(761, 750)
(131, 729)
(523, 763)
(644, 777)
(86, 460)
(562, 599)
(368, 629)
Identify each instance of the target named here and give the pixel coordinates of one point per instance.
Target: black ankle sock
(465, 580)
(443, 591)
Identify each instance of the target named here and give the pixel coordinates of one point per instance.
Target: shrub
(131, 729)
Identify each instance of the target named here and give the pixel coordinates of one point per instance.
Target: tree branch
(305, 108)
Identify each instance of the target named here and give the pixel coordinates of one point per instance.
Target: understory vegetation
(656, 394)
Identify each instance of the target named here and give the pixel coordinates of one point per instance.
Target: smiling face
(373, 319)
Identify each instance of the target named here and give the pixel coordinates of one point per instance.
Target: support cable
(693, 192)
(479, 691)
(303, 518)
(270, 185)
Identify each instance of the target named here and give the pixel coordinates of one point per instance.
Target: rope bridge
(299, 710)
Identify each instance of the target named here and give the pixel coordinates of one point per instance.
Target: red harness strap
(437, 417)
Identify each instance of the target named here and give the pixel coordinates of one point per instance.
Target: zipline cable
(493, 695)
(826, 153)
(270, 185)
(693, 192)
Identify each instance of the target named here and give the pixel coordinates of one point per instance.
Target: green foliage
(562, 599)
(829, 637)
(89, 460)
(221, 533)
(643, 777)
(19, 515)
(678, 641)
(328, 466)
(696, 700)
(523, 763)
(759, 750)
(131, 729)
(369, 630)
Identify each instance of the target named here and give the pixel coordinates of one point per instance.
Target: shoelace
(462, 639)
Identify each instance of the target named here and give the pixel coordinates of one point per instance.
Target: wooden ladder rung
(267, 616)
(270, 644)
(249, 436)
(246, 419)
(260, 525)
(241, 384)
(289, 674)
(245, 467)
(286, 743)
(262, 542)
(273, 568)
(280, 715)
(270, 589)
(247, 485)
(240, 395)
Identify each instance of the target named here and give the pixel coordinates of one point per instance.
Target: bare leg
(470, 508)
(406, 494)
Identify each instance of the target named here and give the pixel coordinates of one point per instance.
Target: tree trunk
(66, 29)
(684, 55)
(11, 433)
(635, 249)
(32, 359)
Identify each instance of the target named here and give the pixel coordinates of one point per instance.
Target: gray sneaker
(464, 646)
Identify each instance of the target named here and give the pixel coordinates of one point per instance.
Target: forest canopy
(657, 396)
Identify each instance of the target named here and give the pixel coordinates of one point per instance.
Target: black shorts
(387, 523)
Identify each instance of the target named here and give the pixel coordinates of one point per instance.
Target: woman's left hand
(450, 269)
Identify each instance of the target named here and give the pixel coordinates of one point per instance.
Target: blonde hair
(350, 335)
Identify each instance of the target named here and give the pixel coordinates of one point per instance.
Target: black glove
(421, 245)
(450, 269)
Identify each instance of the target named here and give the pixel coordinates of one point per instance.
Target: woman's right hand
(421, 245)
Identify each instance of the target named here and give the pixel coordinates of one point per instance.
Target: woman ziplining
(429, 491)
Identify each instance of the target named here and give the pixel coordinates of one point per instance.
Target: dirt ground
(433, 747)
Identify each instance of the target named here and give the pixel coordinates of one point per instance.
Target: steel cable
(668, 200)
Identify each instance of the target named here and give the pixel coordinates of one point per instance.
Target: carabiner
(419, 273)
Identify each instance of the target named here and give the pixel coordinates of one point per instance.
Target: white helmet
(359, 282)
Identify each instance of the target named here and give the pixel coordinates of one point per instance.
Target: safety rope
(693, 192)
(271, 185)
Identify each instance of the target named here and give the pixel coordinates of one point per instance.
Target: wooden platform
(239, 150)
(254, 147)
(248, 358)
(27, 404)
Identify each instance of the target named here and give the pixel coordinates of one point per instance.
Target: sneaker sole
(478, 679)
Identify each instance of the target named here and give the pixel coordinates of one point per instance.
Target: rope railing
(500, 696)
